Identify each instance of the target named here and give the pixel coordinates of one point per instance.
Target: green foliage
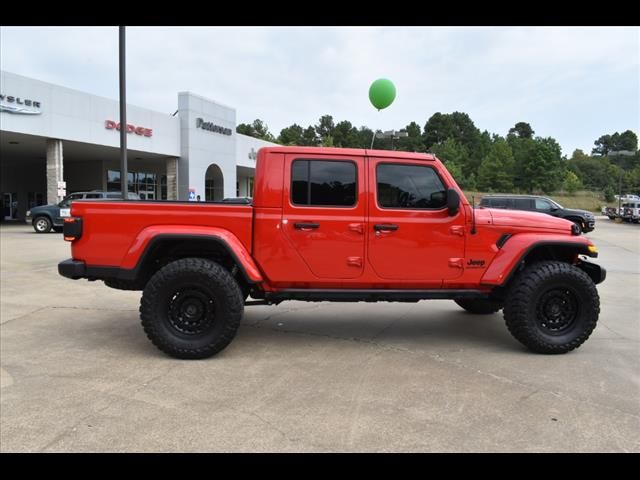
(522, 130)
(486, 161)
(609, 194)
(616, 142)
(571, 183)
(258, 129)
(291, 135)
(496, 171)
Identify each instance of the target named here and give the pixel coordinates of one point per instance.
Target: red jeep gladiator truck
(331, 224)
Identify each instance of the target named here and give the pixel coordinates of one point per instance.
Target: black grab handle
(381, 226)
(300, 226)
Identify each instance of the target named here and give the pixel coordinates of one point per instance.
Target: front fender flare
(518, 246)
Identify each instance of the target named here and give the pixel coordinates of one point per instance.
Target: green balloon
(382, 93)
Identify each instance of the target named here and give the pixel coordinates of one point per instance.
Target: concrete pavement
(78, 373)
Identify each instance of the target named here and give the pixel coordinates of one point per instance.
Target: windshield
(555, 204)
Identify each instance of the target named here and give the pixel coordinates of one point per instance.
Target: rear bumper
(73, 269)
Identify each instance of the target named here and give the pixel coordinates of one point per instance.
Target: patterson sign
(11, 104)
(200, 123)
(112, 125)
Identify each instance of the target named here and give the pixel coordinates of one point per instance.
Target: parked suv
(630, 211)
(46, 217)
(584, 219)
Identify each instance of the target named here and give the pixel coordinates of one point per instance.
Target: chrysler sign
(24, 106)
(200, 123)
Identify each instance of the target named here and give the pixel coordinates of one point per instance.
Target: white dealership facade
(55, 141)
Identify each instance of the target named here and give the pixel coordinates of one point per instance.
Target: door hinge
(354, 261)
(457, 230)
(455, 262)
(356, 227)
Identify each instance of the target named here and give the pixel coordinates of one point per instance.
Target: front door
(323, 214)
(410, 233)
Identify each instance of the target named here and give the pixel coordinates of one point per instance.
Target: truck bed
(113, 229)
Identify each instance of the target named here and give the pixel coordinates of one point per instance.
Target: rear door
(323, 214)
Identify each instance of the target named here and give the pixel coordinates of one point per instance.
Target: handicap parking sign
(192, 194)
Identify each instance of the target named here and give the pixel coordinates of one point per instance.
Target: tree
(496, 171)
(454, 156)
(325, 127)
(291, 135)
(258, 129)
(603, 146)
(571, 183)
(413, 142)
(625, 141)
(309, 137)
(345, 135)
(522, 130)
(539, 167)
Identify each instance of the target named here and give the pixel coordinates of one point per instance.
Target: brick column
(172, 179)
(54, 169)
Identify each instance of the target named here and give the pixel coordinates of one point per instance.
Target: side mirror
(453, 201)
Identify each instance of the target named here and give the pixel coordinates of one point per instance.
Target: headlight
(592, 249)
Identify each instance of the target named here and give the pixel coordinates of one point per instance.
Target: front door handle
(306, 226)
(381, 227)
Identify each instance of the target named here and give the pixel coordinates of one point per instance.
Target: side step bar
(320, 295)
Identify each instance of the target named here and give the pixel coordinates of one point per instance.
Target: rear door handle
(306, 226)
(384, 227)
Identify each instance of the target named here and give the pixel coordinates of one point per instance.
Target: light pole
(124, 176)
(393, 135)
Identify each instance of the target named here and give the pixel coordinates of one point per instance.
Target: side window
(542, 204)
(409, 186)
(499, 203)
(93, 195)
(323, 183)
(522, 203)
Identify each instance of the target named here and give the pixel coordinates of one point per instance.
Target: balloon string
(372, 139)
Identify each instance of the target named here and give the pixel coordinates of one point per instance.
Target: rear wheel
(191, 308)
(481, 306)
(552, 307)
(42, 225)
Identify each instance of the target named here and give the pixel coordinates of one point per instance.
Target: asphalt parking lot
(78, 373)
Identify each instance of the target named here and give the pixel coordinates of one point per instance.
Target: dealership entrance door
(9, 206)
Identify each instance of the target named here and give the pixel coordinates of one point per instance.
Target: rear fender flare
(137, 253)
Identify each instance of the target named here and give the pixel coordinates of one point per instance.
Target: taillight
(72, 229)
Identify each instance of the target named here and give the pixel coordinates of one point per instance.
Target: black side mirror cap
(453, 201)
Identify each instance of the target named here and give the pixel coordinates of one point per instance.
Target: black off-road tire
(42, 224)
(481, 306)
(191, 308)
(579, 224)
(552, 307)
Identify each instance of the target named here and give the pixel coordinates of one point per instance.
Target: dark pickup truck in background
(584, 219)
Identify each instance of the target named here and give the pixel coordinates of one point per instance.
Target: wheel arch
(521, 250)
(162, 248)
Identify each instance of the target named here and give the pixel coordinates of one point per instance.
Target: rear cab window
(324, 183)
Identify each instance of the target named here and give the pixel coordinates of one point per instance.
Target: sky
(571, 83)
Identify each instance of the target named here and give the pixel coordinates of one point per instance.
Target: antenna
(473, 215)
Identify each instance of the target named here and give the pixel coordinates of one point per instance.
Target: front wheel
(42, 225)
(191, 308)
(552, 307)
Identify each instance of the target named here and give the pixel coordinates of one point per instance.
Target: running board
(341, 295)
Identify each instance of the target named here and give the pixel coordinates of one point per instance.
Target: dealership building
(56, 140)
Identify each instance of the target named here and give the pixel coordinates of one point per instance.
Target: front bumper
(597, 273)
(73, 269)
